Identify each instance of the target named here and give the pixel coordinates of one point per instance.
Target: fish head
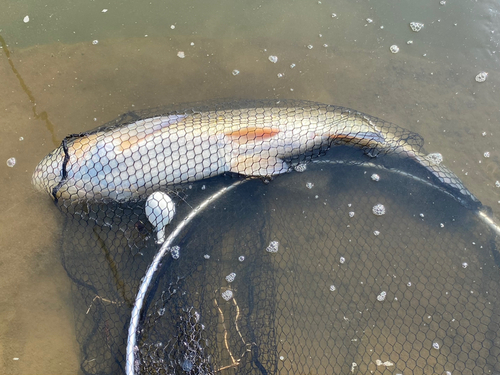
(48, 174)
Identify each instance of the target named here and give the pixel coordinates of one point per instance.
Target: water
(73, 66)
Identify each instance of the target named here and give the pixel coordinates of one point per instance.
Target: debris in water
(206, 256)
(375, 177)
(273, 247)
(465, 265)
(376, 232)
(381, 296)
(175, 251)
(487, 154)
(351, 214)
(104, 10)
(11, 162)
(416, 26)
(481, 77)
(181, 54)
(378, 362)
(394, 48)
(236, 72)
(342, 260)
(227, 295)
(26, 19)
(369, 20)
(435, 158)
(309, 185)
(409, 42)
(332, 288)
(230, 277)
(300, 167)
(310, 46)
(273, 59)
(241, 258)
(94, 42)
(378, 209)
(435, 345)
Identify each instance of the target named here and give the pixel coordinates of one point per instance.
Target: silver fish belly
(131, 160)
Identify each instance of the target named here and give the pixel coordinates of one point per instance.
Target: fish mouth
(49, 173)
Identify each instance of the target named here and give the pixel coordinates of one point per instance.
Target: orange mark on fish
(251, 134)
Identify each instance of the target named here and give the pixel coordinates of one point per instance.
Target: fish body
(132, 160)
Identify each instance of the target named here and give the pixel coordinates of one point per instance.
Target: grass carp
(130, 159)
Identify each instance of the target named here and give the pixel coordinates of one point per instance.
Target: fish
(130, 159)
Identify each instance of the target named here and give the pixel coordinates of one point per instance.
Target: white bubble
(230, 277)
(416, 26)
(181, 54)
(381, 296)
(378, 209)
(235, 72)
(309, 185)
(465, 265)
(282, 358)
(273, 59)
(435, 158)
(94, 42)
(409, 283)
(11, 162)
(300, 167)
(26, 19)
(481, 77)
(175, 251)
(273, 247)
(227, 295)
(206, 256)
(497, 184)
(394, 48)
(332, 288)
(342, 260)
(422, 215)
(21, 138)
(375, 177)
(172, 27)
(487, 154)
(241, 258)
(435, 345)
(351, 214)
(310, 46)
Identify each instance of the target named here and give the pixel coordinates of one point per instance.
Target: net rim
(130, 359)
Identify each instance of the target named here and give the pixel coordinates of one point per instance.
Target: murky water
(75, 65)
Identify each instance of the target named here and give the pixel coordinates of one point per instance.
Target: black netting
(356, 265)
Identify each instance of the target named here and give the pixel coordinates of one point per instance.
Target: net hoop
(130, 368)
(146, 281)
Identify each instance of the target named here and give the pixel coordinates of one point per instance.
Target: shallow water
(55, 82)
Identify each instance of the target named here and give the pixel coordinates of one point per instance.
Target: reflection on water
(56, 82)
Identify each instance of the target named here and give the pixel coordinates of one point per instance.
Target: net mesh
(297, 275)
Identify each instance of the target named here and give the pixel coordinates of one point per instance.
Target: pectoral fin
(257, 165)
(360, 139)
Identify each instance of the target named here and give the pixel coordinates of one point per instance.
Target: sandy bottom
(53, 90)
